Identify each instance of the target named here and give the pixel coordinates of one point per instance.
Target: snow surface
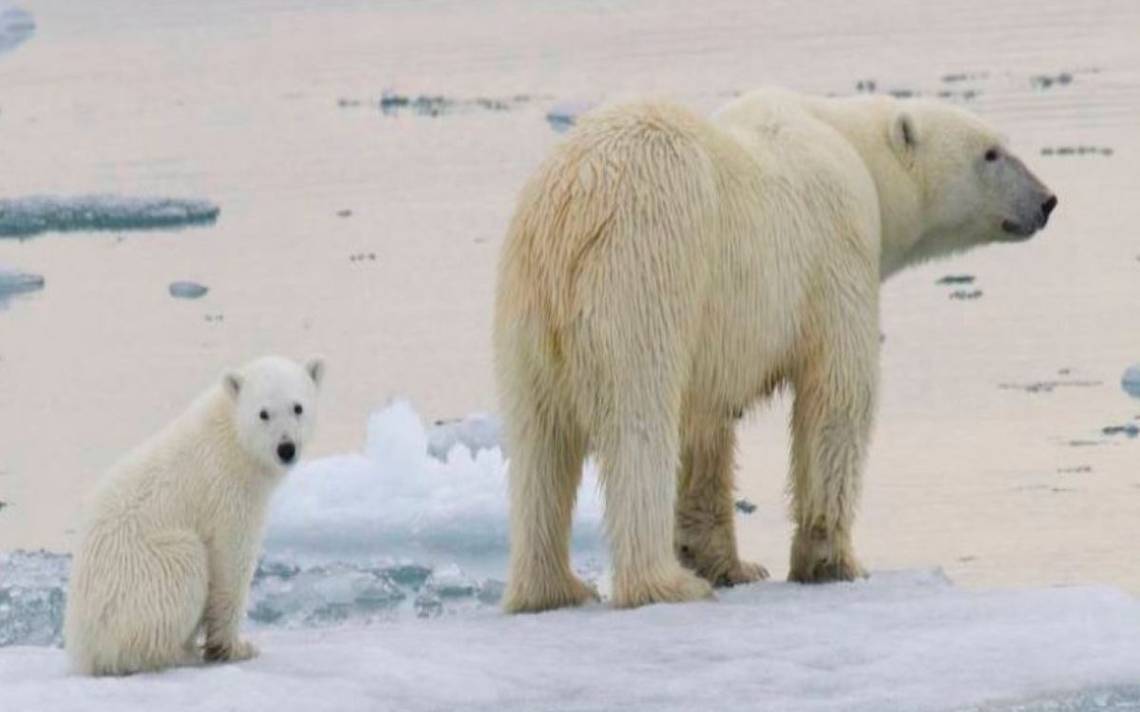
(359, 604)
(899, 641)
(28, 216)
(397, 499)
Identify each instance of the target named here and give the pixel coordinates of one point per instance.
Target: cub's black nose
(286, 451)
(1047, 207)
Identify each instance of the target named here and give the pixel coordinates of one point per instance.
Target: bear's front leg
(831, 426)
(705, 535)
(231, 570)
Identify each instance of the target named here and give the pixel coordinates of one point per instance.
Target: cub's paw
(536, 596)
(233, 651)
(672, 585)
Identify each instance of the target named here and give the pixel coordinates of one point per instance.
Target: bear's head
(274, 407)
(969, 188)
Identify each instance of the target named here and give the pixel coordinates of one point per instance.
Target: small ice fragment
(32, 597)
(957, 279)
(1131, 381)
(963, 294)
(565, 114)
(16, 26)
(187, 290)
(32, 215)
(13, 282)
(451, 582)
(476, 432)
(1130, 430)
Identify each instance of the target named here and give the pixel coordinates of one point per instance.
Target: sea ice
(898, 641)
(1130, 381)
(399, 498)
(563, 115)
(28, 216)
(14, 282)
(16, 26)
(188, 290)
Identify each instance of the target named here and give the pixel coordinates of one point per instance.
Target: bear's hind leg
(545, 470)
(154, 597)
(639, 459)
(705, 533)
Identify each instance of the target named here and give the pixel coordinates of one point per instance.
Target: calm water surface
(372, 238)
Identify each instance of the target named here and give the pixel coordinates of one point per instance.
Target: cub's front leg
(232, 561)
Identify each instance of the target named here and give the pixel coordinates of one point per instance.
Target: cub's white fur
(173, 530)
(663, 272)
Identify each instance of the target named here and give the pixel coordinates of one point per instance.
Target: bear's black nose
(1047, 207)
(286, 451)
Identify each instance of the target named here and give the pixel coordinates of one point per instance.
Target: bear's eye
(264, 414)
(297, 409)
(992, 155)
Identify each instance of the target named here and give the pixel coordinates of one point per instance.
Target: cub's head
(971, 189)
(275, 409)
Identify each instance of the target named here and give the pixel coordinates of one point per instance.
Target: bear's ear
(904, 136)
(232, 383)
(316, 369)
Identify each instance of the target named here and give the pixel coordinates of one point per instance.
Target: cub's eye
(297, 409)
(264, 414)
(992, 155)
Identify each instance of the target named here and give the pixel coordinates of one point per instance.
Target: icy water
(366, 158)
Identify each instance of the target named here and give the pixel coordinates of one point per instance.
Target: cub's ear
(904, 135)
(232, 383)
(316, 369)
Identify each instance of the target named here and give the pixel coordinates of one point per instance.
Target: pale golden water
(241, 103)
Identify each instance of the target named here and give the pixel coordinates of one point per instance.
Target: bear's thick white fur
(173, 530)
(663, 272)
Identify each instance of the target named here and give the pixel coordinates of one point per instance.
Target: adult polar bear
(663, 272)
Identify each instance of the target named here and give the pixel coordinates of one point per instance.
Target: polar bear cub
(172, 532)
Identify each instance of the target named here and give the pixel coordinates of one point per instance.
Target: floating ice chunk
(563, 115)
(1130, 430)
(956, 279)
(966, 294)
(284, 593)
(392, 103)
(395, 498)
(1130, 381)
(32, 597)
(188, 290)
(451, 590)
(13, 282)
(25, 217)
(476, 432)
(16, 26)
(336, 593)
